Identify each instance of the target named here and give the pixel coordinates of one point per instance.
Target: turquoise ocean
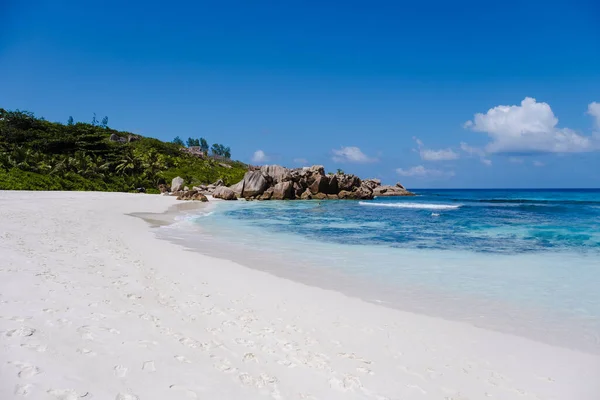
(524, 262)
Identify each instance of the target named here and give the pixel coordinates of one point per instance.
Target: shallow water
(525, 262)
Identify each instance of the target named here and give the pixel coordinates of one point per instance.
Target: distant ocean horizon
(523, 261)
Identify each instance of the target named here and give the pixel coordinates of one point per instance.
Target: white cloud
(351, 154)
(538, 164)
(422, 172)
(594, 111)
(435, 155)
(259, 156)
(475, 151)
(528, 128)
(302, 161)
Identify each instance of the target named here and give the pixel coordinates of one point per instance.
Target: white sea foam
(423, 206)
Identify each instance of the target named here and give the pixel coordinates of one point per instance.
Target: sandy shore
(92, 305)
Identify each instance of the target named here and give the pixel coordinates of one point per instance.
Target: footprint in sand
(86, 352)
(26, 370)
(23, 331)
(85, 332)
(120, 371)
(67, 394)
(149, 366)
(23, 389)
(40, 348)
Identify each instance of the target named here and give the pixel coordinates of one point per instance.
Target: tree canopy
(36, 154)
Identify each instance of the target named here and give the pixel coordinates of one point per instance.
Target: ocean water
(520, 261)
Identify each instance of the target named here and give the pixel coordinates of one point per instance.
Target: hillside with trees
(36, 154)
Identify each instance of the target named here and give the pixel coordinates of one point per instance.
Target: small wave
(422, 206)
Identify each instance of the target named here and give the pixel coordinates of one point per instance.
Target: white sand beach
(94, 306)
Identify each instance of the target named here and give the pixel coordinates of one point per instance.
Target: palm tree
(126, 165)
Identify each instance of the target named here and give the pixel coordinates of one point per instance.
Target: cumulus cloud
(594, 111)
(538, 164)
(351, 154)
(435, 155)
(422, 172)
(475, 152)
(259, 156)
(302, 161)
(529, 128)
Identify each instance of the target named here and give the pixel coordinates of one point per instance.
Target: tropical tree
(204, 145)
(191, 142)
(70, 121)
(178, 141)
(220, 150)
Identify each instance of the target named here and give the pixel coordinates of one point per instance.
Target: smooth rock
(177, 184)
(225, 193)
(254, 184)
(283, 191)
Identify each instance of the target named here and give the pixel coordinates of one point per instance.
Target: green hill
(36, 154)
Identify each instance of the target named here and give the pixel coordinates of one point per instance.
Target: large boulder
(344, 194)
(254, 184)
(163, 188)
(298, 189)
(320, 184)
(238, 188)
(116, 138)
(267, 194)
(348, 182)
(307, 195)
(276, 173)
(283, 191)
(317, 170)
(177, 184)
(324, 184)
(191, 195)
(333, 187)
(363, 192)
(372, 183)
(388, 190)
(225, 193)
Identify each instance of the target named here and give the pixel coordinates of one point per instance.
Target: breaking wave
(422, 206)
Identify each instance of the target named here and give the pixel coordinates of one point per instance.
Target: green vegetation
(39, 155)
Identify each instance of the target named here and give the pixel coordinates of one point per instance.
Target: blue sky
(382, 89)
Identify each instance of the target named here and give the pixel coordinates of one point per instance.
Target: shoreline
(522, 320)
(94, 304)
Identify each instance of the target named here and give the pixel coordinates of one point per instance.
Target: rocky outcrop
(192, 195)
(283, 191)
(116, 138)
(177, 184)
(225, 193)
(274, 182)
(254, 184)
(387, 190)
(276, 172)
